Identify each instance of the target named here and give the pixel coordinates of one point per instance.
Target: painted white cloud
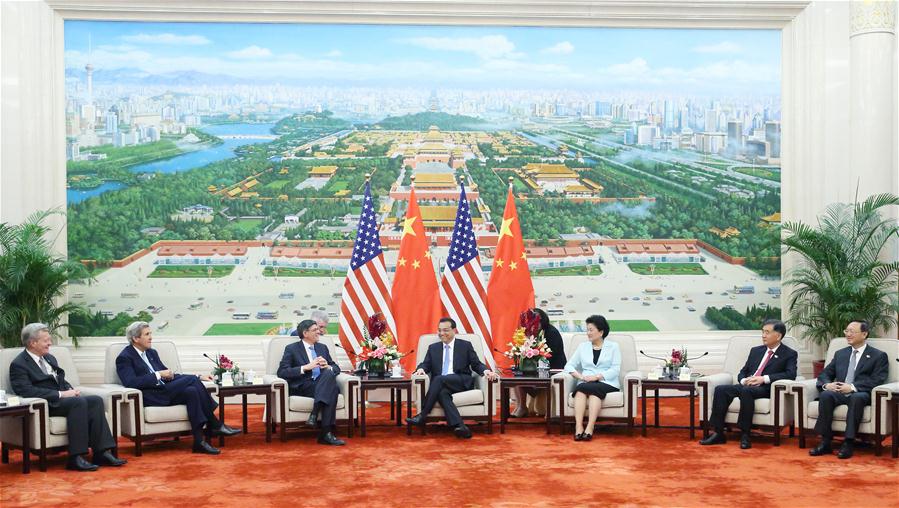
(251, 52)
(486, 47)
(334, 53)
(167, 38)
(562, 48)
(722, 47)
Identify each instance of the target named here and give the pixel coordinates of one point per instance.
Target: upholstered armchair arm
(417, 393)
(106, 393)
(211, 387)
(488, 387)
(890, 389)
(346, 381)
(715, 380)
(625, 387)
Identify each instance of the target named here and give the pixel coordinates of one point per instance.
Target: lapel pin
(867, 356)
(775, 356)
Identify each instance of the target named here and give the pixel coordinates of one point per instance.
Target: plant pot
(817, 368)
(529, 366)
(376, 368)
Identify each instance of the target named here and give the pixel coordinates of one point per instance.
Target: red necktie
(764, 362)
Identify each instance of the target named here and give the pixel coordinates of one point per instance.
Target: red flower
(530, 321)
(376, 325)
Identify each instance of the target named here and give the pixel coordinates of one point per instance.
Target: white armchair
(875, 423)
(772, 413)
(475, 404)
(141, 424)
(49, 433)
(618, 406)
(293, 410)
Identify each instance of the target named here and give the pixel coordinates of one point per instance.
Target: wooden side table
(24, 412)
(243, 391)
(667, 384)
(397, 386)
(506, 384)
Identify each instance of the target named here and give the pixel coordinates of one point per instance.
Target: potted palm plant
(841, 275)
(32, 279)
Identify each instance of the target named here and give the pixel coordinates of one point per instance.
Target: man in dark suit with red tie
(36, 373)
(450, 363)
(848, 379)
(310, 372)
(770, 362)
(139, 367)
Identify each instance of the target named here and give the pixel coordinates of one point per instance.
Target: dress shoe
(586, 436)
(578, 436)
(313, 420)
(106, 458)
(328, 438)
(821, 449)
(745, 442)
(520, 412)
(713, 439)
(462, 431)
(78, 463)
(205, 447)
(846, 450)
(224, 430)
(416, 420)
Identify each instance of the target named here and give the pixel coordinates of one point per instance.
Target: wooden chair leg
(4, 456)
(777, 435)
(138, 447)
(801, 437)
(42, 459)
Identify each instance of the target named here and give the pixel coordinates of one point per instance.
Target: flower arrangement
(528, 344)
(677, 359)
(378, 346)
(223, 364)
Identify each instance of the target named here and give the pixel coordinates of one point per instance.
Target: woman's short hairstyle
(600, 323)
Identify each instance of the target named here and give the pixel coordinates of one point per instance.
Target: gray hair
(31, 331)
(319, 316)
(135, 329)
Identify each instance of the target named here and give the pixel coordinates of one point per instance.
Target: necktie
(143, 355)
(850, 374)
(46, 369)
(446, 360)
(312, 356)
(764, 363)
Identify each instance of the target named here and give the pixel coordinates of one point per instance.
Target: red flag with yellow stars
(416, 301)
(510, 291)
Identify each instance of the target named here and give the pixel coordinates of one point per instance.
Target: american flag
(462, 285)
(365, 290)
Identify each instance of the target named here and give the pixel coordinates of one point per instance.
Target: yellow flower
(518, 337)
(387, 338)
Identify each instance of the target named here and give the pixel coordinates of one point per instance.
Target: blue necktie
(143, 355)
(446, 359)
(312, 356)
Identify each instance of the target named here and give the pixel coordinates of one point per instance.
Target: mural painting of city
(215, 171)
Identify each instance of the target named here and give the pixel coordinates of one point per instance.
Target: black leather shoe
(313, 420)
(586, 436)
(579, 436)
(462, 431)
(713, 439)
(821, 449)
(204, 447)
(846, 450)
(106, 458)
(416, 420)
(225, 430)
(328, 438)
(78, 463)
(745, 442)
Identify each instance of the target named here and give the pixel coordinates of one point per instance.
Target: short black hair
(777, 325)
(449, 320)
(544, 319)
(305, 325)
(600, 323)
(863, 325)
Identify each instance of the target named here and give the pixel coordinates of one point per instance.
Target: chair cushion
(162, 414)
(468, 398)
(614, 399)
(58, 425)
(762, 406)
(839, 413)
(304, 404)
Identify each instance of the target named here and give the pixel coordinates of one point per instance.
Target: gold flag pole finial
(413, 181)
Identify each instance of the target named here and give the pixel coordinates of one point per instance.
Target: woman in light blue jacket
(595, 364)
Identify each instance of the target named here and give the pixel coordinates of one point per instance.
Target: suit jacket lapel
(458, 359)
(303, 353)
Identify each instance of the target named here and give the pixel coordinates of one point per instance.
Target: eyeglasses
(850, 332)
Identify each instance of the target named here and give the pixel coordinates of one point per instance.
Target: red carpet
(524, 467)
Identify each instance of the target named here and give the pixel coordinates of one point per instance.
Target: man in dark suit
(139, 367)
(450, 364)
(35, 373)
(310, 372)
(770, 362)
(848, 379)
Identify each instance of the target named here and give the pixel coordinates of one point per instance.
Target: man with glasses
(848, 380)
(310, 372)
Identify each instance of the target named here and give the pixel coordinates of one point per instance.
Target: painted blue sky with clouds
(722, 62)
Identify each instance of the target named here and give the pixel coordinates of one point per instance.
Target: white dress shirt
(49, 370)
(146, 359)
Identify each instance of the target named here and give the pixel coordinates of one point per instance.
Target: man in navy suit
(36, 373)
(450, 364)
(139, 367)
(770, 362)
(848, 379)
(310, 372)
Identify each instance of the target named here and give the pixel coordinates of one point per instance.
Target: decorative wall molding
(872, 17)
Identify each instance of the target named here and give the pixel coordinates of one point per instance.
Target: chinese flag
(416, 301)
(510, 291)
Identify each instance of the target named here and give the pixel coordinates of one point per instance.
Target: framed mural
(214, 170)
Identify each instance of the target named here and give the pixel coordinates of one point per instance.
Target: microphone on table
(698, 357)
(653, 357)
